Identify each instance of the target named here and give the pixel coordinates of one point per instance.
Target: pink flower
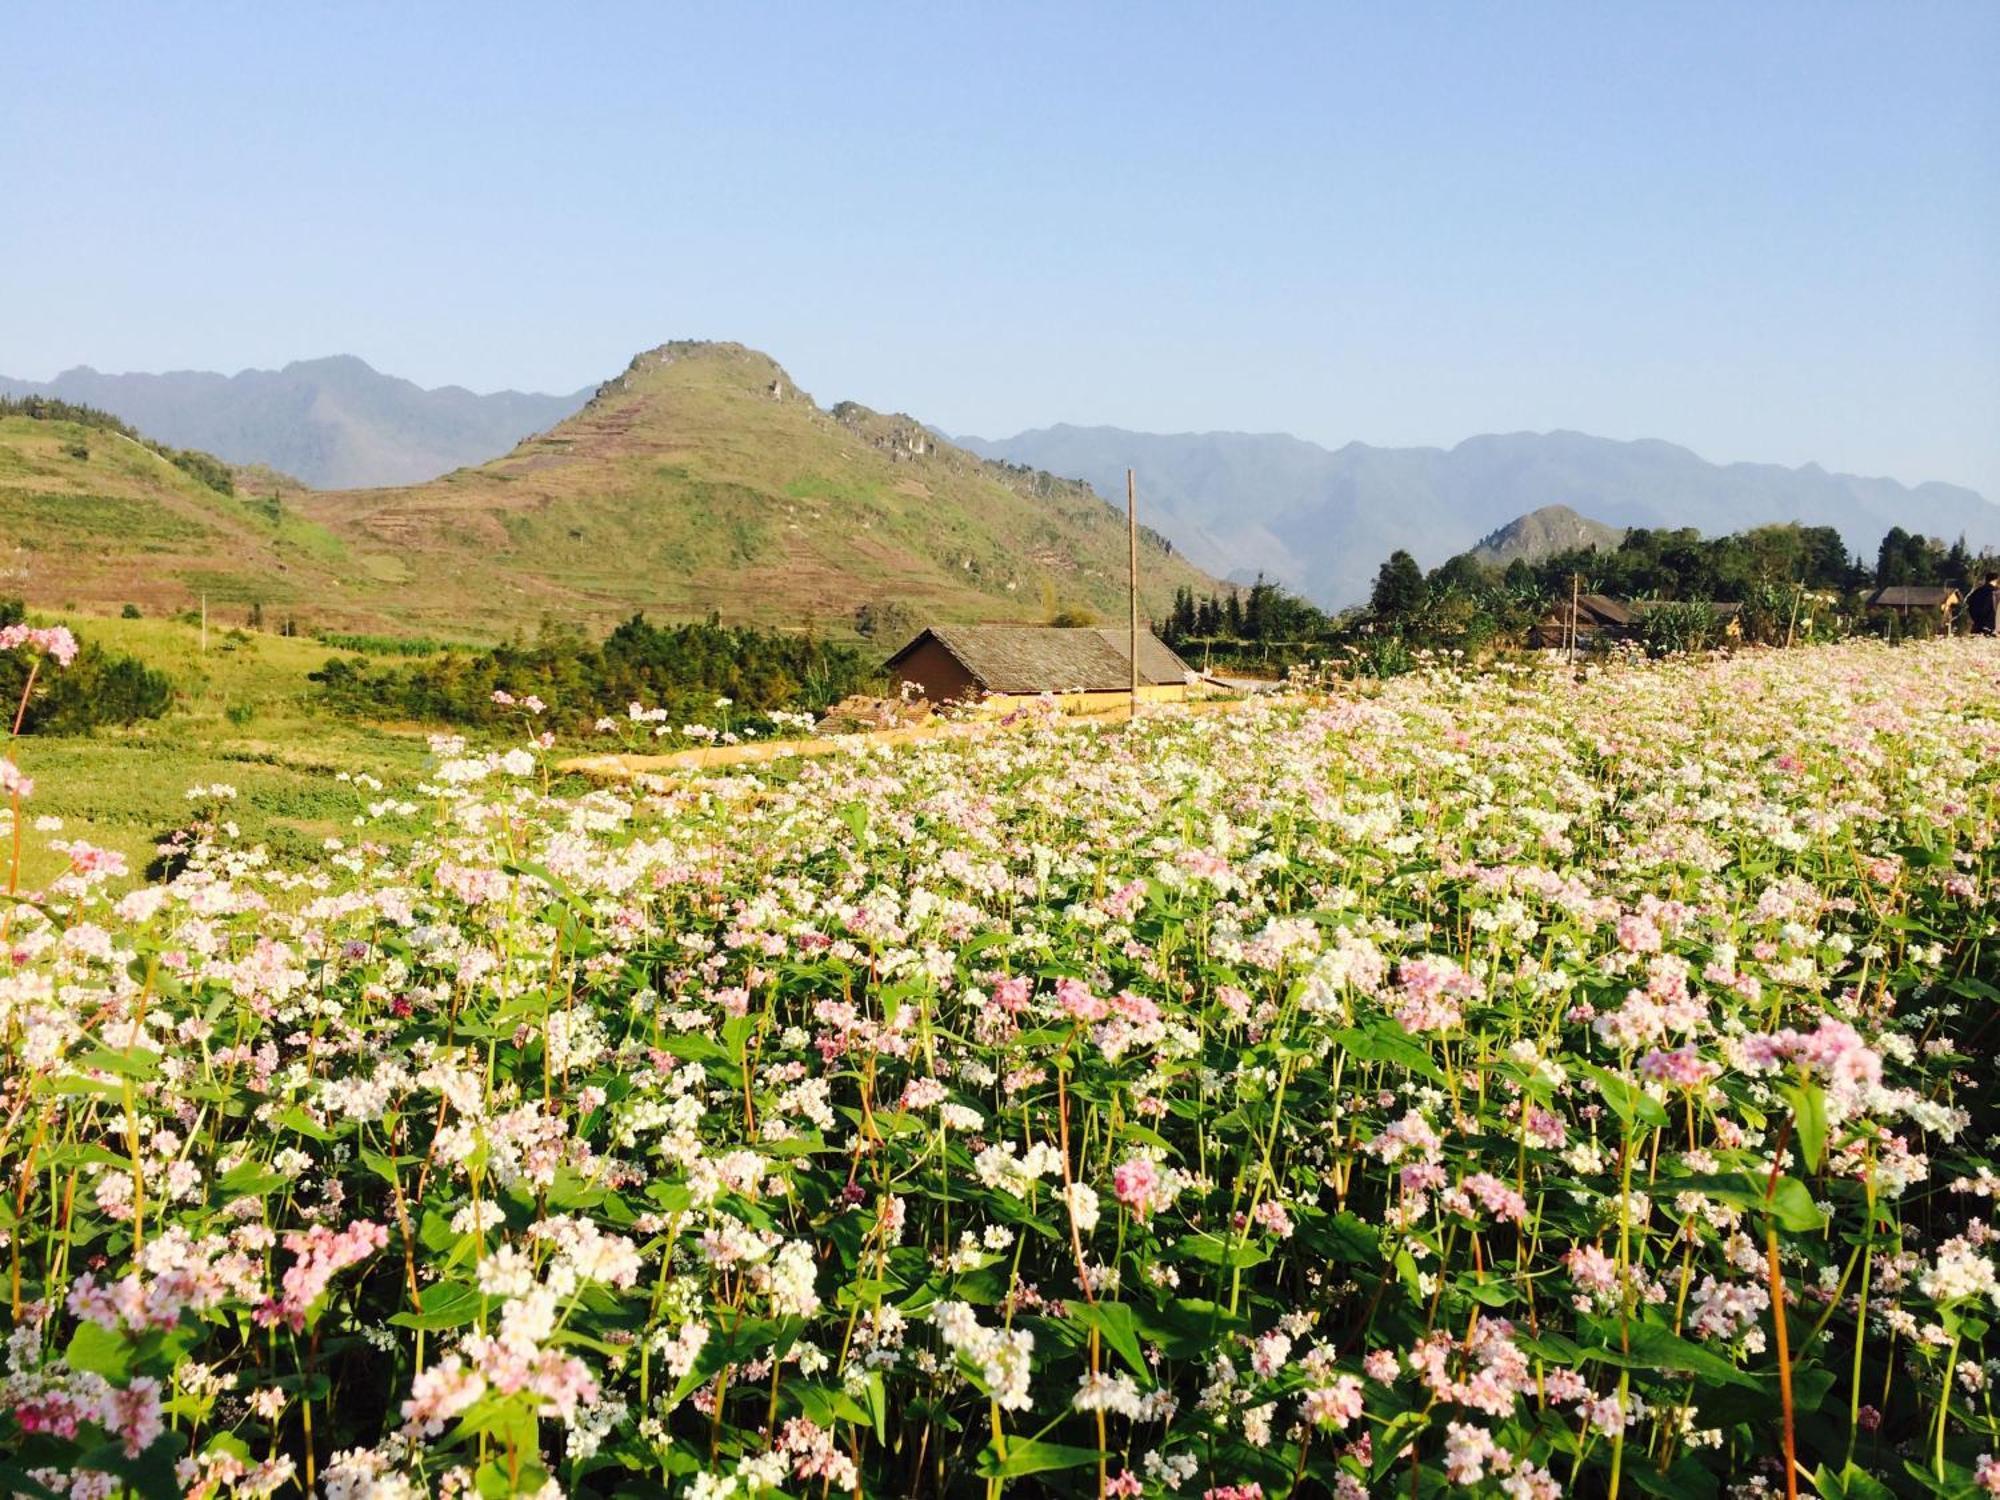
(322, 1254)
(1011, 993)
(134, 1414)
(12, 781)
(440, 1393)
(1638, 934)
(1074, 996)
(1136, 1182)
(1498, 1199)
(54, 641)
(1271, 1215)
(1682, 1068)
(1333, 1405)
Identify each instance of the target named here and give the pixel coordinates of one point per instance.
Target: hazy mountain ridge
(334, 422)
(1322, 520)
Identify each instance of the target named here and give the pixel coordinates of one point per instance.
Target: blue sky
(1767, 231)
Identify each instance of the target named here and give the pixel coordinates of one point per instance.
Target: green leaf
(298, 1120)
(251, 1179)
(1624, 1098)
(1793, 1207)
(100, 1351)
(1380, 1044)
(1851, 1483)
(449, 1304)
(1227, 1253)
(878, 1405)
(1027, 1456)
(1808, 1101)
(134, 1062)
(1354, 1240)
(1655, 1348)
(1120, 1329)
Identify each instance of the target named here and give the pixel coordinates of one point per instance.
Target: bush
(685, 669)
(97, 688)
(1675, 626)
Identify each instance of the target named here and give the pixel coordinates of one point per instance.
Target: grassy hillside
(702, 479)
(699, 480)
(245, 716)
(93, 518)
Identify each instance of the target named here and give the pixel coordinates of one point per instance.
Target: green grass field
(244, 716)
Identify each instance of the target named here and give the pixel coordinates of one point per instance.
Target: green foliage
(1400, 593)
(205, 468)
(1676, 626)
(683, 669)
(1260, 629)
(383, 645)
(97, 688)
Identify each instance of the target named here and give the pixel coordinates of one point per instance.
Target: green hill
(94, 515)
(702, 479)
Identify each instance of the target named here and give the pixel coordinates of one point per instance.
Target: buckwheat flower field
(1514, 1084)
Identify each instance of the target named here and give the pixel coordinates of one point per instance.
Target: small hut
(1907, 601)
(1599, 617)
(1085, 667)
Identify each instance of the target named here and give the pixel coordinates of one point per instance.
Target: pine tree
(1399, 593)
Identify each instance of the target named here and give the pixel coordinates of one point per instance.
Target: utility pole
(1132, 555)
(1575, 591)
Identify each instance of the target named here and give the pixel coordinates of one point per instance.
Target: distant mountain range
(336, 423)
(700, 479)
(1321, 521)
(1236, 504)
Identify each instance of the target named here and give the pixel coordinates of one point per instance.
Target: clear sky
(1766, 230)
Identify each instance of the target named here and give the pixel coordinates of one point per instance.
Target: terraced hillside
(700, 480)
(703, 479)
(94, 518)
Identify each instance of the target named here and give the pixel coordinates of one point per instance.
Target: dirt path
(708, 757)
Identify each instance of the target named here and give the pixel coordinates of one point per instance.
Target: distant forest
(1791, 580)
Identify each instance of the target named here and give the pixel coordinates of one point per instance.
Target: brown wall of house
(937, 672)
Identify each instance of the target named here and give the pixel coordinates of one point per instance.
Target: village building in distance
(1082, 667)
(1600, 619)
(1907, 600)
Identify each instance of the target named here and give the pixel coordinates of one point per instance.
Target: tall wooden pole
(1132, 556)
(1575, 590)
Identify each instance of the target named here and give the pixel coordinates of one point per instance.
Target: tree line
(684, 669)
(1783, 581)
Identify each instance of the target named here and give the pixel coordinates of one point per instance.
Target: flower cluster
(1450, 1084)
